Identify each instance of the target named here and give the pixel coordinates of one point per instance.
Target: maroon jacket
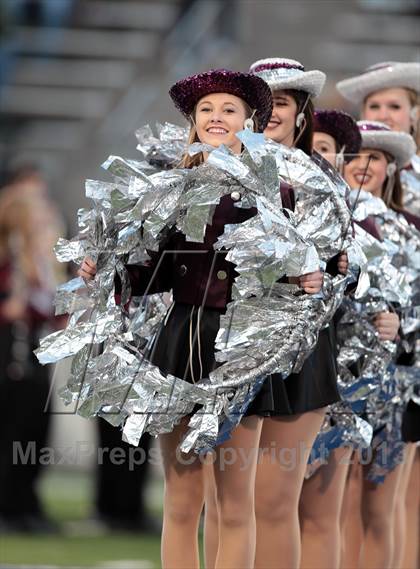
(196, 273)
(411, 218)
(369, 225)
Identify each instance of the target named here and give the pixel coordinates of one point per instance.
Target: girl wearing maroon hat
(336, 137)
(296, 406)
(388, 151)
(218, 104)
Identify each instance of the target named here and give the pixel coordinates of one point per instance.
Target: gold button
(236, 196)
(221, 275)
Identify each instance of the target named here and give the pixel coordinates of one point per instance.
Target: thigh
(235, 461)
(285, 446)
(410, 455)
(183, 472)
(379, 499)
(322, 493)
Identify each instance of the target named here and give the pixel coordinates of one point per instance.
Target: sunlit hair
(192, 161)
(414, 98)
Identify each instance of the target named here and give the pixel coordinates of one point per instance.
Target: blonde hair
(415, 104)
(29, 229)
(188, 161)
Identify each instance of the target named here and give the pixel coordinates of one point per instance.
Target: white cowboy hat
(281, 73)
(379, 136)
(380, 76)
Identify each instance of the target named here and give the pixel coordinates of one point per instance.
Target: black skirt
(411, 423)
(315, 386)
(184, 347)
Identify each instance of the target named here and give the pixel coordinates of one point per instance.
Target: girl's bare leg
(378, 514)
(234, 472)
(320, 508)
(351, 517)
(411, 558)
(285, 443)
(400, 526)
(183, 503)
(211, 522)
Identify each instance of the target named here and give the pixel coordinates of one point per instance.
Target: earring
(391, 169)
(249, 124)
(299, 119)
(339, 161)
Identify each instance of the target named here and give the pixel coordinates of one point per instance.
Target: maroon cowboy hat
(254, 91)
(342, 127)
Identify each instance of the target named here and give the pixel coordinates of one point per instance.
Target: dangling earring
(249, 124)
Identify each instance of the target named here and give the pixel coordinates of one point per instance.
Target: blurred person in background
(120, 499)
(29, 273)
(389, 92)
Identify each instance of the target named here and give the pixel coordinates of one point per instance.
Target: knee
(320, 515)
(183, 508)
(233, 513)
(275, 508)
(211, 512)
(235, 508)
(319, 522)
(376, 520)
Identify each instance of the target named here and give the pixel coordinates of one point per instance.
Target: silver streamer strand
(130, 219)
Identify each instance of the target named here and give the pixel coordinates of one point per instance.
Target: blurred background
(77, 78)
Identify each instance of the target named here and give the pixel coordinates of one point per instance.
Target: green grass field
(67, 497)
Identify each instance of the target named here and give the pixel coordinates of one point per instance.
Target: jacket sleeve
(153, 276)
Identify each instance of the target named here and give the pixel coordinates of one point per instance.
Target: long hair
(188, 161)
(415, 104)
(304, 138)
(395, 201)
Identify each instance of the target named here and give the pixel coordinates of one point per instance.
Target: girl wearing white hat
(389, 92)
(299, 402)
(376, 170)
